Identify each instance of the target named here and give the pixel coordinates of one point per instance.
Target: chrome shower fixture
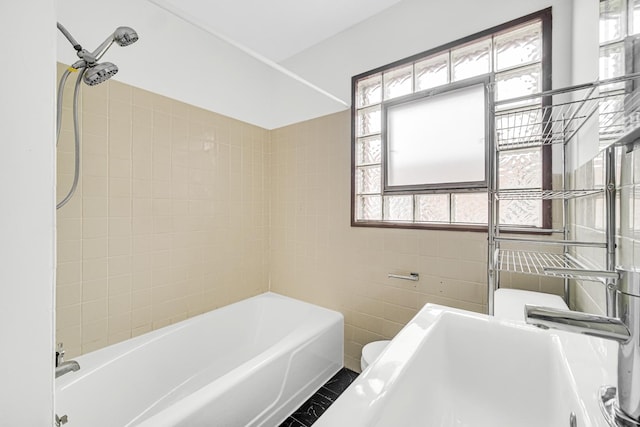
(92, 73)
(100, 73)
(125, 36)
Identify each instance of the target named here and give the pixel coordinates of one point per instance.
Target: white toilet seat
(371, 351)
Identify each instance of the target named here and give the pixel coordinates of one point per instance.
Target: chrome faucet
(621, 407)
(63, 367)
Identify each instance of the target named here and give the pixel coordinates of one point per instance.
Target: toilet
(509, 303)
(371, 351)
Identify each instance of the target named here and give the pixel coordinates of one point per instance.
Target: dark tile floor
(308, 413)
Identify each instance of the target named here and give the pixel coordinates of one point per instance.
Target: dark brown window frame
(545, 18)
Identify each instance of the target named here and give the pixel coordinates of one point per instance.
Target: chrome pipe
(624, 78)
(565, 121)
(69, 37)
(530, 230)
(565, 210)
(102, 49)
(577, 322)
(552, 242)
(493, 228)
(610, 227)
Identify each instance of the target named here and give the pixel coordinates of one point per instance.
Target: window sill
(477, 228)
(421, 226)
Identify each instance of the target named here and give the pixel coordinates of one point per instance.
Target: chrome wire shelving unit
(604, 114)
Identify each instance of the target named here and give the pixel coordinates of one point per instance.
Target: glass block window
(510, 56)
(471, 60)
(619, 30)
(432, 72)
(398, 82)
(618, 20)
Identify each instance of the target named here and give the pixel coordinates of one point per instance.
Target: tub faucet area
(63, 367)
(66, 367)
(621, 407)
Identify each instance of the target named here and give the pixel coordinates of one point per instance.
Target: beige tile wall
(588, 224)
(170, 219)
(318, 257)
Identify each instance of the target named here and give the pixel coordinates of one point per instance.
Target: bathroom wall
(318, 257)
(170, 219)
(27, 225)
(180, 211)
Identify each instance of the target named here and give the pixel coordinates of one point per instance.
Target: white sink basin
(450, 367)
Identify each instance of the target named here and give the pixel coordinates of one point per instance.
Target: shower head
(99, 73)
(125, 36)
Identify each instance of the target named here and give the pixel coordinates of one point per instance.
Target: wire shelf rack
(608, 110)
(546, 264)
(537, 194)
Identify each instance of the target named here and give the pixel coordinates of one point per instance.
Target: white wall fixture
(27, 221)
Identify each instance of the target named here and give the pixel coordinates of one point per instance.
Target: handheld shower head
(125, 36)
(99, 73)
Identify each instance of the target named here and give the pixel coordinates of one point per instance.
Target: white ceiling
(278, 29)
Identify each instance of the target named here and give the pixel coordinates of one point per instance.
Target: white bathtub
(251, 363)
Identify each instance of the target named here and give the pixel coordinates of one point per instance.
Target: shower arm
(87, 59)
(102, 49)
(69, 37)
